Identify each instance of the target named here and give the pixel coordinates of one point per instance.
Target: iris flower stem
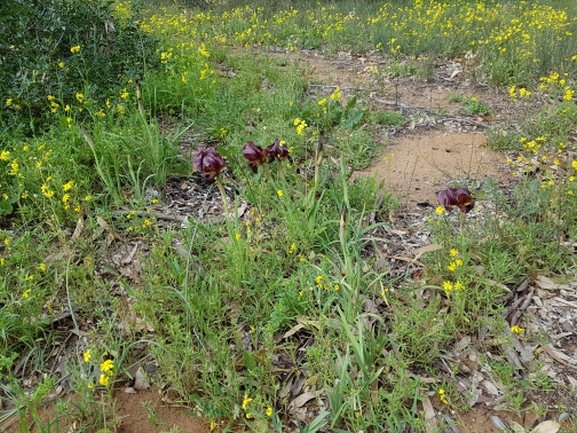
(461, 221)
(223, 195)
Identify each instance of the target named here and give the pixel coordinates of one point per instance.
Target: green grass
(227, 309)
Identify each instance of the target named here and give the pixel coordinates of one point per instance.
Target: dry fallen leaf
(293, 331)
(516, 428)
(547, 427)
(140, 380)
(418, 252)
(499, 423)
(302, 399)
(431, 422)
(546, 283)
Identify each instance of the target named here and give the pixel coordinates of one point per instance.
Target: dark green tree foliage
(36, 37)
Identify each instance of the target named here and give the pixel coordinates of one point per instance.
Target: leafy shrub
(52, 51)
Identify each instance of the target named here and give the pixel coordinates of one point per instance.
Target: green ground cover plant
(286, 281)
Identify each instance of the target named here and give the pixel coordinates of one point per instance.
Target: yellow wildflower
(442, 396)
(46, 191)
(337, 94)
(203, 51)
(107, 366)
(517, 329)
(87, 356)
(75, 49)
(14, 168)
(524, 93)
(68, 186)
(245, 402)
(104, 380)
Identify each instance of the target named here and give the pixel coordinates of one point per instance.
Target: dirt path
(416, 165)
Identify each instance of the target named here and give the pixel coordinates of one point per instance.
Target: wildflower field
(181, 210)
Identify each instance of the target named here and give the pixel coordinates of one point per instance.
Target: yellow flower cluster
(517, 329)
(300, 125)
(522, 92)
(443, 396)
(320, 282)
(549, 157)
(54, 106)
(449, 287)
(246, 402)
(510, 30)
(123, 10)
(106, 372)
(337, 94)
(454, 265)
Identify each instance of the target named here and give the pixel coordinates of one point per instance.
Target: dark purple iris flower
(210, 163)
(277, 151)
(460, 197)
(255, 155)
